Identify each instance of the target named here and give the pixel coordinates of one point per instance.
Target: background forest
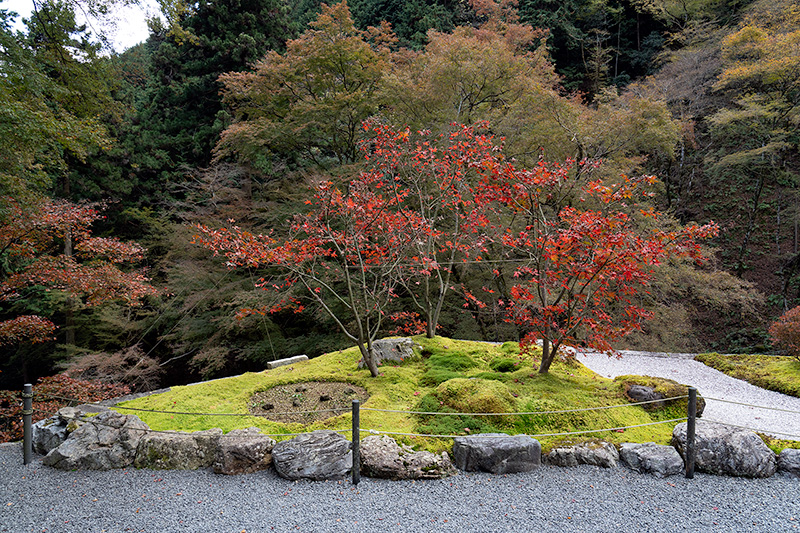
(234, 109)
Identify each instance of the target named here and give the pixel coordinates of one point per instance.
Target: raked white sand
(713, 386)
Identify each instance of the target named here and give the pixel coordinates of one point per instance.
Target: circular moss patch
(306, 402)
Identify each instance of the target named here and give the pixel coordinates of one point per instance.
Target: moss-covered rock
(667, 388)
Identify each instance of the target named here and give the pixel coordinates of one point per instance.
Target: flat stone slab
(287, 361)
(497, 453)
(651, 458)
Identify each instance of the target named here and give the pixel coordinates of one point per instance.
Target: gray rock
(497, 453)
(243, 451)
(319, 455)
(392, 350)
(178, 451)
(789, 462)
(640, 393)
(587, 453)
(727, 451)
(50, 433)
(651, 458)
(382, 457)
(106, 441)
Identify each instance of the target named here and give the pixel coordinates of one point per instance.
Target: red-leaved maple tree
(582, 266)
(345, 256)
(424, 207)
(50, 245)
(439, 181)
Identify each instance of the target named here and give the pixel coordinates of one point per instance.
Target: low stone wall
(91, 437)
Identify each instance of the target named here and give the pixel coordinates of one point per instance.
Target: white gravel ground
(713, 386)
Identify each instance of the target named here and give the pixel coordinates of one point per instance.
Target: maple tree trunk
(548, 353)
(369, 357)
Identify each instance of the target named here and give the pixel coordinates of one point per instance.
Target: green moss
(497, 376)
(476, 395)
(778, 445)
(780, 374)
(504, 364)
(454, 362)
(419, 384)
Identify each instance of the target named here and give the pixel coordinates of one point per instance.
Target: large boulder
(243, 451)
(726, 451)
(178, 451)
(382, 457)
(50, 433)
(319, 455)
(106, 441)
(392, 350)
(651, 458)
(497, 453)
(597, 453)
(789, 462)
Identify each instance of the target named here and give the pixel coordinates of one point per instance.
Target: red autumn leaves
(576, 251)
(50, 245)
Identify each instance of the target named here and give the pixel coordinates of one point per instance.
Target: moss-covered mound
(476, 395)
(451, 376)
(668, 388)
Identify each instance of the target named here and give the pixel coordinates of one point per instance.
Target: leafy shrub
(49, 395)
(785, 332)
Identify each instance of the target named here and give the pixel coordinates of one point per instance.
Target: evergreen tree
(180, 113)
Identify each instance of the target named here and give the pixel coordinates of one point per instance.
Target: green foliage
(310, 100)
(173, 89)
(54, 89)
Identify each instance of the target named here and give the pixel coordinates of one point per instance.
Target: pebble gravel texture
(35, 498)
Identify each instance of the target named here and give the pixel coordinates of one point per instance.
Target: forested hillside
(237, 115)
